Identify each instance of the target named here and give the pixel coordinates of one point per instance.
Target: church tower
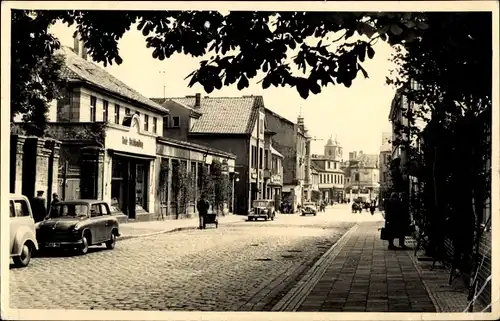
(333, 150)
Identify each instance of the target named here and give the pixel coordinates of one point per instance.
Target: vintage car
(22, 230)
(78, 224)
(309, 208)
(262, 209)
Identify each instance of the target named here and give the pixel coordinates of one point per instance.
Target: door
(108, 219)
(131, 196)
(97, 224)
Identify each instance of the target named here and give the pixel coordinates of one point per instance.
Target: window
(105, 106)
(261, 156)
(154, 125)
(105, 209)
(261, 126)
(95, 210)
(117, 114)
(356, 177)
(93, 102)
(21, 208)
(266, 159)
(12, 210)
(176, 121)
(146, 122)
(127, 111)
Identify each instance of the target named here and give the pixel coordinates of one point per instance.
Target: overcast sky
(357, 115)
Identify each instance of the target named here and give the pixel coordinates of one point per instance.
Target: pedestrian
(372, 208)
(55, 200)
(39, 207)
(396, 221)
(202, 206)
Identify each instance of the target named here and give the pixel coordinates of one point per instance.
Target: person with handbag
(396, 221)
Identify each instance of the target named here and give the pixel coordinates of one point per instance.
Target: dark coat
(39, 209)
(202, 206)
(396, 218)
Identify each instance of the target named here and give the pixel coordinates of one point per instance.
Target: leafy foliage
(183, 187)
(222, 185)
(35, 69)
(207, 184)
(454, 144)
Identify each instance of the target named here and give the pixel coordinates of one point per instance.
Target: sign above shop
(132, 142)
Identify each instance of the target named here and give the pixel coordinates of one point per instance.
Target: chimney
(78, 46)
(197, 102)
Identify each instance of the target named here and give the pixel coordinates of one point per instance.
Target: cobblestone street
(242, 266)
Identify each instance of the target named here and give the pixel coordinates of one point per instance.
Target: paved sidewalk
(364, 276)
(137, 229)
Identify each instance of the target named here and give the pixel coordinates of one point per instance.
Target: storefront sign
(132, 142)
(276, 179)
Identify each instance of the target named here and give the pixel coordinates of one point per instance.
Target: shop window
(93, 103)
(176, 121)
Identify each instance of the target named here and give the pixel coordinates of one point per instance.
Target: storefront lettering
(132, 142)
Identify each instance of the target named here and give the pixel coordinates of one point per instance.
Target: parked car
(262, 209)
(309, 208)
(22, 230)
(78, 224)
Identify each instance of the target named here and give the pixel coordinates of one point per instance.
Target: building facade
(362, 176)
(331, 174)
(384, 164)
(292, 141)
(236, 125)
(112, 145)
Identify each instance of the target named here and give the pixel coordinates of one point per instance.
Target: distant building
(330, 172)
(362, 176)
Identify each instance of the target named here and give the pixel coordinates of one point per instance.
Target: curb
(178, 229)
(296, 296)
(429, 292)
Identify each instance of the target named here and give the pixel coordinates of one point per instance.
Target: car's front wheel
(110, 244)
(84, 248)
(24, 258)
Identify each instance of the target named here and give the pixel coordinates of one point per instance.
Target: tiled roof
(224, 115)
(78, 69)
(367, 160)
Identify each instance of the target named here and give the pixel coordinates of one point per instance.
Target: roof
(164, 101)
(77, 69)
(195, 146)
(367, 160)
(275, 152)
(224, 115)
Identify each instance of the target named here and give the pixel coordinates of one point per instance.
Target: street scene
(266, 161)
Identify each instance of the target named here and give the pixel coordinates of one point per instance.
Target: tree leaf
(303, 89)
(370, 52)
(242, 83)
(396, 30)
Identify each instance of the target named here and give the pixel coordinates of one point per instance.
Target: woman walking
(396, 221)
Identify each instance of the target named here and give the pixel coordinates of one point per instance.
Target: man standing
(202, 206)
(39, 207)
(55, 200)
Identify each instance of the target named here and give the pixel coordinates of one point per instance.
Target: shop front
(129, 166)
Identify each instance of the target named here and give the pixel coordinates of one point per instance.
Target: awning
(131, 155)
(275, 152)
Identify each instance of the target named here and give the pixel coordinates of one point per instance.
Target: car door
(97, 224)
(109, 222)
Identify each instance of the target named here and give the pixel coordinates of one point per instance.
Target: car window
(21, 208)
(95, 210)
(104, 209)
(12, 210)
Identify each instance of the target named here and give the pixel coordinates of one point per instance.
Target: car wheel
(24, 258)
(84, 248)
(112, 241)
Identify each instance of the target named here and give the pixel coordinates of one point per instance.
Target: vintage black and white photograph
(317, 156)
